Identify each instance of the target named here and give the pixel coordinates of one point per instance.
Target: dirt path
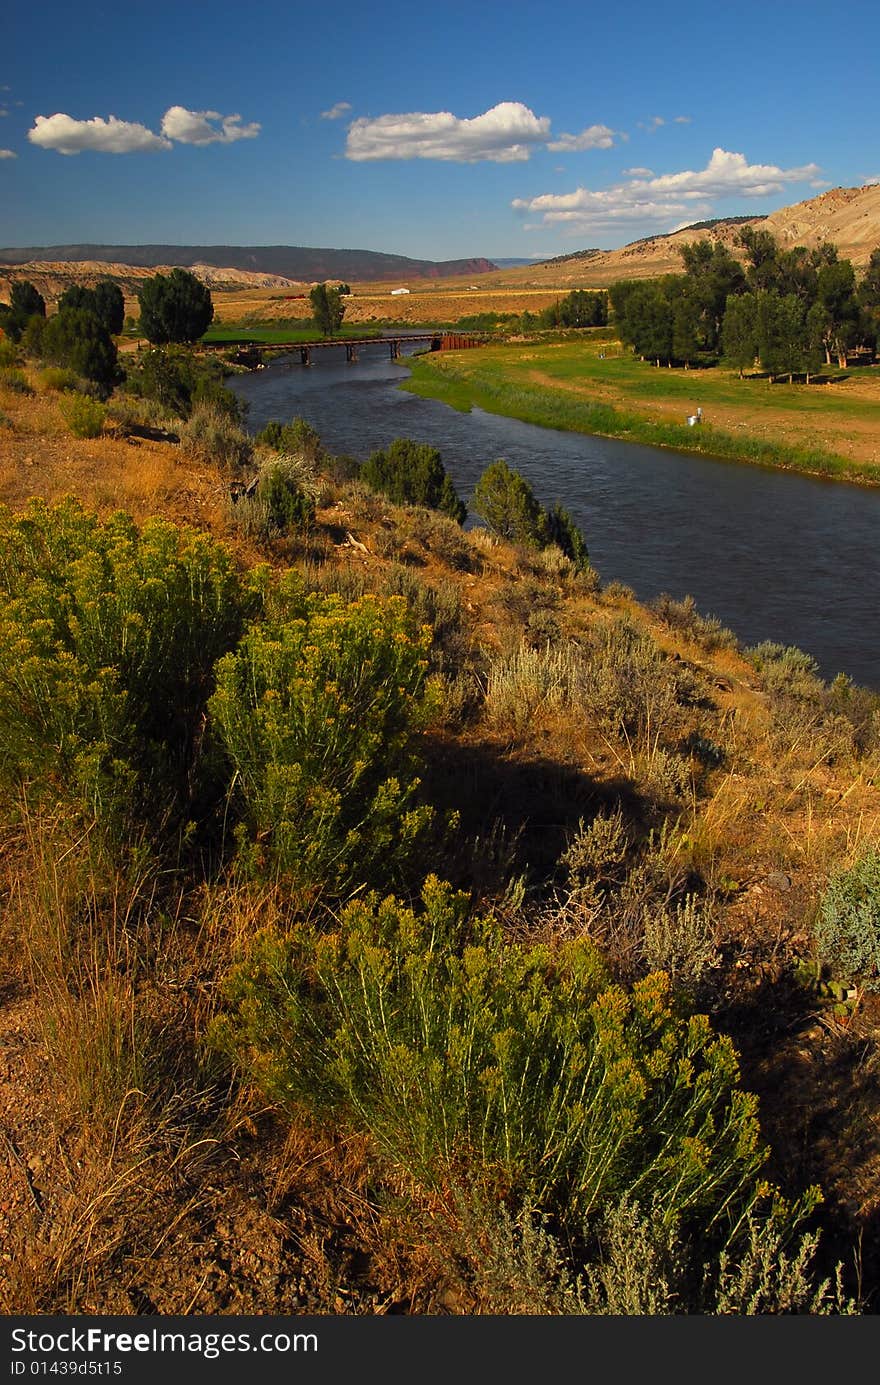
(857, 438)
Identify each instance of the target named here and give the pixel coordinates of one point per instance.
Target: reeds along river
(774, 555)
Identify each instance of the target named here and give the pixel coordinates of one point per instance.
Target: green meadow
(502, 380)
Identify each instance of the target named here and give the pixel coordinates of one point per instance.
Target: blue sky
(432, 131)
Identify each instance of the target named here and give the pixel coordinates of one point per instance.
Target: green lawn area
(635, 380)
(501, 379)
(229, 334)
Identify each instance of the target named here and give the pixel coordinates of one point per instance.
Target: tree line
(784, 311)
(580, 308)
(175, 309)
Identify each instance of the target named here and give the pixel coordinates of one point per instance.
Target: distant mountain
(511, 262)
(300, 262)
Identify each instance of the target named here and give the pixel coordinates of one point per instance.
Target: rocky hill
(848, 217)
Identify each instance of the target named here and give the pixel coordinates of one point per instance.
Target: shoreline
(554, 408)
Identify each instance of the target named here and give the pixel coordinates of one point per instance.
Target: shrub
(628, 683)
(513, 1065)
(436, 604)
(288, 505)
(83, 416)
(212, 437)
(443, 537)
(56, 377)
(164, 376)
(412, 473)
(681, 941)
(14, 379)
(789, 674)
(642, 1264)
(317, 709)
(559, 530)
(130, 413)
(8, 352)
(107, 644)
(278, 503)
(683, 615)
(210, 391)
(297, 437)
(848, 926)
(522, 684)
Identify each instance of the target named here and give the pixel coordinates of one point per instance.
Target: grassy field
(593, 386)
(232, 334)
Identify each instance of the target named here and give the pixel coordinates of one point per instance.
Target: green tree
(76, 338)
(557, 527)
(24, 303)
(869, 298)
(577, 309)
(782, 334)
(507, 504)
(712, 276)
(412, 473)
(836, 291)
(762, 254)
(686, 334)
(105, 300)
(175, 307)
(739, 333)
(328, 309)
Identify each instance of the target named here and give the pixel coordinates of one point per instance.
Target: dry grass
(151, 1186)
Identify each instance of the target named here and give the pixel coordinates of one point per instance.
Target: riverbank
(829, 430)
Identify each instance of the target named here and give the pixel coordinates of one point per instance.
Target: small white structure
(695, 418)
(396, 292)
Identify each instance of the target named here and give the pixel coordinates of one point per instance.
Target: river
(775, 555)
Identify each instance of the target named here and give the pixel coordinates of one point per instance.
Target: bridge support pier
(305, 355)
(351, 352)
(394, 348)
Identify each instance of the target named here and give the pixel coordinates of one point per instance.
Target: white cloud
(3, 111)
(205, 127)
(505, 134)
(335, 112)
(665, 199)
(594, 137)
(111, 136)
(651, 125)
(728, 173)
(871, 181)
(8, 154)
(638, 172)
(682, 120)
(819, 183)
